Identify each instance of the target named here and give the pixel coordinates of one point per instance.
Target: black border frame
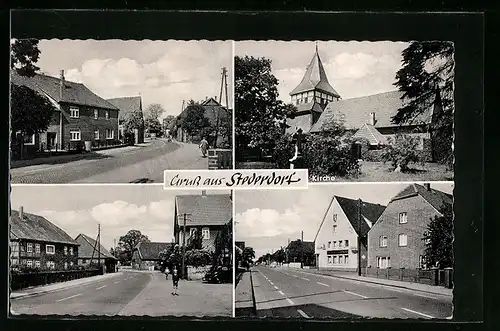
(466, 30)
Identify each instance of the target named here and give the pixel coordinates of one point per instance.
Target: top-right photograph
(347, 111)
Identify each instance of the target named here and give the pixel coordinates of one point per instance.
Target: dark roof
(308, 245)
(213, 209)
(88, 248)
(151, 250)
(369, 210)
(212, 110)
(37, 228)
(73, 93)
(127, 104)
(315, 78)
(370, 133)
(435, 198)
(355, 112)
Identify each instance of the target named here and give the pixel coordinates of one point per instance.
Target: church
(369, 118)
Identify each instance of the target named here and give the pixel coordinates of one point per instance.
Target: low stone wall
(197, 273)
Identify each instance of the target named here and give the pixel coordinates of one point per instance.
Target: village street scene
(346, 252)
(347, 111)
(133, 250)
(113, 111)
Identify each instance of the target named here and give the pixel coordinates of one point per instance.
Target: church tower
(311, 96)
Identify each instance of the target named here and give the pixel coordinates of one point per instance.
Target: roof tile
(213, 209)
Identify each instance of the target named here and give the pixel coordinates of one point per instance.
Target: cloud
(267, 222)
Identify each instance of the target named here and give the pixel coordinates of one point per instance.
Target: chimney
(203, 193)
(372, 119)
(427, 186)
(215, 98)
(61, 84)
(21, 213)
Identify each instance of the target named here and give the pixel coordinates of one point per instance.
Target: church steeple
(314, 85)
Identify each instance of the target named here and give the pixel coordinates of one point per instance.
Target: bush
(401, 151)
(283, 152)
(198, 257)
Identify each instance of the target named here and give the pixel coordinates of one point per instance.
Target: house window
(84, 261)
(29, 248)
(403, 218)
(110, 134)
(205, 233)
(29, 263)
(334, 244)
(51, 264)
(335, 259)
(71, 263)
(334, 218)
(65, 250)
(347, 243)
(422, 263)
(107, 114)
(65, 265)
(329, 259)
(329, 244)
(37, 264)
(37, 248)
(74, 112)
(334, 228)
(27, 139)
(340, 243)
(75, 135)
(427, 239)
(383, 262)
(50, 249)
(96, 135)
(71, 251)
(96, 113)
(341, 259)
(192, 231)
(403, 239)
(346, 258)
(383, 241)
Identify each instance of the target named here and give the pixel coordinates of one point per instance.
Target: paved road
(293, 293)
(104, 297)
(130, 165)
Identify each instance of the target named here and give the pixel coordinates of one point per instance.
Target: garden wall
(19, 281)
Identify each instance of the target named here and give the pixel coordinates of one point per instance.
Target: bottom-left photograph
(134, 250)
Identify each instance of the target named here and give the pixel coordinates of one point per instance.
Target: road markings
(101, 287)
(276, 287)
(323, 284)
(302, 313)
(280, 292)
(117, 282)
(271, 283)
(305, 278)
(356, 294)
(289, 301)
(416, 312)
(71, 297)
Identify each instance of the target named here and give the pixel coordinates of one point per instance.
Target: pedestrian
(175, 281)
(204, 147)
(167, 271)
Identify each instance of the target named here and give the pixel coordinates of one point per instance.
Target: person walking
(175, 281)
(204, 147)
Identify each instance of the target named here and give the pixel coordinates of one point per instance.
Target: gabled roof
(37, 228)
(312, 106)
(369, 132)
(212, 110)
(435, 198)
(88, 248)
(73, 93)
(356, 112)
(307, 245)
(151, 250)
(213, 209)
(315, 78)
(127, 104)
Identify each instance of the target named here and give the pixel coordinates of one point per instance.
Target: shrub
(401, 151)
(198, 257)
(283, 151)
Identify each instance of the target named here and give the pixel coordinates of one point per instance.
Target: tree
(153, 125)
(401, 151)
(154, 110)
(259, 114)
(24, 53)
(196, 240)
(247, 256)
(128, 242)
(133, 120)
(112, 251)
(195, 121)
(439, 239)
(426, 79)
(198, 258)
(226, 128)
(279, 256)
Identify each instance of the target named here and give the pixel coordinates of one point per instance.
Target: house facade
(81, 115)
(398, 238)
(146, 254)
(90, 251)
(37, 243)
(207, 214)
(336, 242)
(130, 106)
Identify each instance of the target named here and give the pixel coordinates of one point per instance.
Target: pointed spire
(317, 48)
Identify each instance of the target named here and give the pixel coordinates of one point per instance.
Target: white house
(337, 238)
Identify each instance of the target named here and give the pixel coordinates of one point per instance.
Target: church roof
(315, 78)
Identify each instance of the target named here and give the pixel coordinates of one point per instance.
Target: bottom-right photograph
(345, 251)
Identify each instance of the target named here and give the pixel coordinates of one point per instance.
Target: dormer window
(96, 113)
(107, 114)
(74, 112)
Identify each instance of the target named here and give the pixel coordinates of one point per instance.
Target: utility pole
(359, 237)
(184, 276)
(302, 249)
(223, 86)
(99, 246)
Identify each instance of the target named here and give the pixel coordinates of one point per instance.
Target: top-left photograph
(117, 111)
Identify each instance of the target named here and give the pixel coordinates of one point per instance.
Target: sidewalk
(195, 299)
(244, 301)
(440, 290)
(37, 290)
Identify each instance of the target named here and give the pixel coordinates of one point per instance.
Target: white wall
(344, 231)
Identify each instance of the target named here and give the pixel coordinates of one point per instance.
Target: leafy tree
(426, 78)
(247, 257)
(196, 240)
(401, 151)
(153, 125)
(279, 256)
(24, 53)
(112, 251)
(194, 120)
(198, 257)
(164, 257)
(154, 111)
(128, 242)
(226, 129)
(133, 120)
(259, 114)
(439, 239)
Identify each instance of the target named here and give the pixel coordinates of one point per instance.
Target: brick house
(89, 251)
(128, 105)
(208, 214)
(369, 118)
(146, 254)
(397, 239)
(81, 115)
(336, 242)
(37, 243)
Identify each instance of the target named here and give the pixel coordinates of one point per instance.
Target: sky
(80, 208)
(164, 72)
(353, 68)
(266, 221)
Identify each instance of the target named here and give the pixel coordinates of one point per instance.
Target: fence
(19, 281)
(220, 159)
(435, 277)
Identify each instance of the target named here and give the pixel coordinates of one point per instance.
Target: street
(132, 164)
(294, 293)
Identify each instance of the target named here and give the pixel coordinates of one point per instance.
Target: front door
(356, 150)
(51, 140)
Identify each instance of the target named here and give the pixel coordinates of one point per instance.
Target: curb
(27, 295)
(254, 304)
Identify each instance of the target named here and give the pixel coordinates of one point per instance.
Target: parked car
(219, 275)
(273, 265)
